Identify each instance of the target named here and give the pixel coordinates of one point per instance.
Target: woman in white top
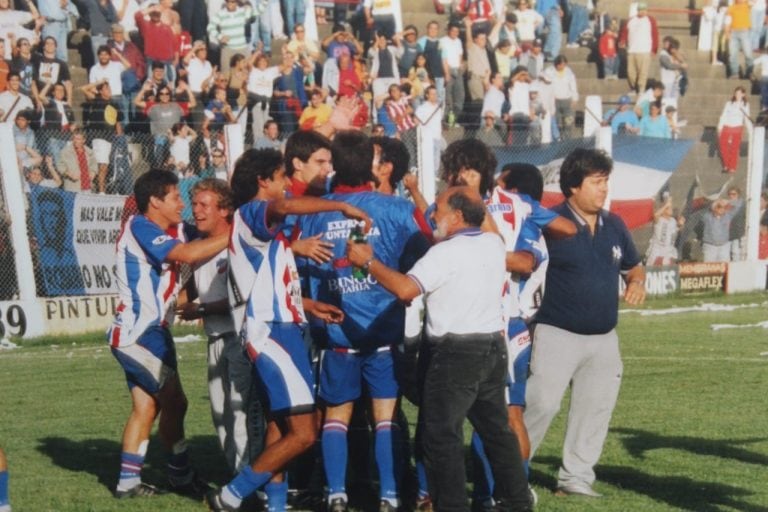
(734, 117)
(260, 80)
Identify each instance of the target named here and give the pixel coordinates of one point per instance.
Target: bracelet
(367, 264)
(201, 309)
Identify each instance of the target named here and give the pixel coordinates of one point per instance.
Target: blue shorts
(519, 356)
(342, 375)
(149, 362)
(282, 367)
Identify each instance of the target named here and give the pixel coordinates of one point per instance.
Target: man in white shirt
(465, 353)
(641, 39)
(109, 70)
(430, 116)
(13, 101)
(453, 57)
(229, 371)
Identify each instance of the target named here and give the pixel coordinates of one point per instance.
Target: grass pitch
(689, 431)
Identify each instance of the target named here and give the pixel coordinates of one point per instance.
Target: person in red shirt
(608, 52)
(160, 42)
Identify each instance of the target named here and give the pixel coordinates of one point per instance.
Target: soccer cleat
(216, 504)
(195, 487)
(577, 490)
(386, 506)
(337, 505)
(138, 491)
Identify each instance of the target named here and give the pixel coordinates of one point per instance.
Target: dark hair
(525, 178)
(12, 74)
(102, 48)
(153, 183)
(235, 59)
(472, 210)
(393, 151)
(352, 154)
(560, 59)
(469, 154)
(302, 144)
(101, 85)
(269, 123)
(157, 65)
(50, 38)
(511, 17)
(581, 163)
(253, 165)
(218, 187)
(733, 98)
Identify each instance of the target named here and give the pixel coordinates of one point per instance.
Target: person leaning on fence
(465, 357)
(150, 249)
(574, 339)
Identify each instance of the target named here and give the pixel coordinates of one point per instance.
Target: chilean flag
(641, 167)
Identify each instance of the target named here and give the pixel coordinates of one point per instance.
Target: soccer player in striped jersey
(149, 250)
(267, 307)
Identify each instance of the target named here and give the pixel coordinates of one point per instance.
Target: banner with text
(75, 235)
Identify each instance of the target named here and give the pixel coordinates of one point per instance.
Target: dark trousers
(465, 377)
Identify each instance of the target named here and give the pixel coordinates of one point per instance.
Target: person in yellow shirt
(317, 113)
(737, 31)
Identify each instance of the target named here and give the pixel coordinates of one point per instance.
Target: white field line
(708, 307)
(718, 327)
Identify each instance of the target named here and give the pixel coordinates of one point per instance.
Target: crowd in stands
(172, 76)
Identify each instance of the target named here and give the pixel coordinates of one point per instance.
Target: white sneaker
(533, 495)
(577, 490)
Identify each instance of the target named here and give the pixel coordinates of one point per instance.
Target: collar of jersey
(346, 189)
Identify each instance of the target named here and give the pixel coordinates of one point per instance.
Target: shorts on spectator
(101, 150)
(519, 350)
(342, 375)
(283, 368)
(149, 362)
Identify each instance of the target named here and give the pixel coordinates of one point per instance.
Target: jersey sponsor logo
(340, 229)
(161, 239)
(349, 284)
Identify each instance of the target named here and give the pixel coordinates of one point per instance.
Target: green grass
(689, 431)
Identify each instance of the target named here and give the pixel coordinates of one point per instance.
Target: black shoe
(337, 505)
(196, 487)
(215, 504)
(139, 491)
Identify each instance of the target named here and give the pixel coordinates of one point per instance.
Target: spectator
(529, 23)
(5, 67)
(340, 42)
(579, 10)
(156, 80)
(410, 49)
(738, 26)
(136, 72)
(478, 64)
(640, 37)
(623, 119)
(111, 71)
(261, 78)
(553, 24)
(489, 132)
(519, 117)
(734, 117)
(716, 224)
(533, 60)
(101, 14)
(380, 16)
(13, 23)
(479, 12)
(400, 111)
(566, 93)
(159, 41)
(304, 48)
(494, 99)
(430, 115)
(24, 137)
(13, 101)
(672, 67)
(295, 13)
(349, 80)
(431, 47)
(270, 139)
(453, 64)
(77, 164)
(56, 14)
(418, 80)
(193, 15)
(219, 164)
(737, 232)
(662, 248)
(261, 36)
(757, 22)
(103, 120)
(506, 58)
(57, 119)
(200, 77)
(655, 124)
(655, 92)
(317, 113)
(237, 89)
(609, 55)
(674, 125)
(289, 93)
(384, 70)
(762, 63)
(34, 176)
(23, 65)
(163, 114)
(181, 138)
(505, 29)
(217, 112)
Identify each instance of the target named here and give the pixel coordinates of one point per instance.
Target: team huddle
(317, 306)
